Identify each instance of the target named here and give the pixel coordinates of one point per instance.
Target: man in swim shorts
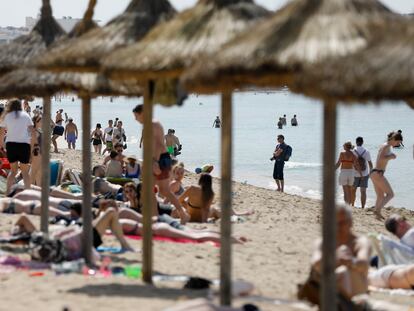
(400, 227)
(172, 142)
(108, 137)
(162, 164)
(71, 133)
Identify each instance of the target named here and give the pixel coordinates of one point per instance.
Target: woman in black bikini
(382, 186)
(97, 137)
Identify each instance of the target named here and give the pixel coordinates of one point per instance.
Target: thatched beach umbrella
(18, 53)
(84, 55)
(302, 32)
(384, 71)
(172, 47)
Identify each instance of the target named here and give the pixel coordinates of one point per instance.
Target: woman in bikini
(393, 276)
(381, 185)
(33, 207)
(346, 161)
(97, 137)
(176, 185)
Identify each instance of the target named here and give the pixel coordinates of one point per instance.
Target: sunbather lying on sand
(392, 276)
(71, 236)
(54, 192)
(33, 207)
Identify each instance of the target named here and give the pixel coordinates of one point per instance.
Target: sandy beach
(281, 234)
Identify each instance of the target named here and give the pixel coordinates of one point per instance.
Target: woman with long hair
(36, 169)
(198, 199)
(19, 127)
(381, 185)
(346, 161)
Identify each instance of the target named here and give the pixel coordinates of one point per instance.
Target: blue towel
(109, 249)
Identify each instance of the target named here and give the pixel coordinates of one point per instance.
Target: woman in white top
(19, 127)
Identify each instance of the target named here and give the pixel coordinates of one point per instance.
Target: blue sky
(13, 12)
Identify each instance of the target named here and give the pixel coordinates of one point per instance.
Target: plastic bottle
(75, 266)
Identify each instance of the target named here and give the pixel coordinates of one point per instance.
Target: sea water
(255, 117)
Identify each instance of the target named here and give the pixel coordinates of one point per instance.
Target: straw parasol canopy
(175, 45)
(384, 71)
(32, 82)
(302, 32)
(21, 50)
(41, 83)
(85, 53)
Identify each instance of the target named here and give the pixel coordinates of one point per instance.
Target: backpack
(361, 163)
(288, 152)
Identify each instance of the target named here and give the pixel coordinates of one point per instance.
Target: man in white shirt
(399, 226)
(363, 166)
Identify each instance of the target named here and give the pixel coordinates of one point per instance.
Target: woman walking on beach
(382, 187)
(97, 137)
(36, 169)
(19, 127)
(346, 161)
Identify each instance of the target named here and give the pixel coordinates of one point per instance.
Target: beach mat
(173, 240)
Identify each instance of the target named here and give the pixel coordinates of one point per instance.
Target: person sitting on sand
(176, 185)
(352, 258)
(132, 168)
(393, 276)
(346, 161)
(399, 226)
(382, 187)
(198, 199)
(114, 166)
(102, 186)
(72, 236)
(118, 148)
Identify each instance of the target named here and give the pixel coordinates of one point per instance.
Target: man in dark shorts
(162, 164)
(279, 158)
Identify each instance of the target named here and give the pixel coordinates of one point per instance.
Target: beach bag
(45, 249)
(288, 152)
(361, 163)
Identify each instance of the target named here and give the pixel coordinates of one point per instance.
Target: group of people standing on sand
(283, 122)
(356, 168)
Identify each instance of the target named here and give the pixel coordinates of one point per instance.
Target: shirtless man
(172, 142)
(161, 163)
(382, 187)
(352, 257)
(102, 186)
(71, 133)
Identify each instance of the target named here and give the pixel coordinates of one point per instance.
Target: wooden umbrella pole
(86, 180)
(147, 188)
(226, 201)
(45, 150)
(328, 293)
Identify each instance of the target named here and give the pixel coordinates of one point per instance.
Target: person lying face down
(352, 257)
(400, 227)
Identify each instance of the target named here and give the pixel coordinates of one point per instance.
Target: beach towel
(172, 240)
(119, 180)
(110, 249)
(391, 252)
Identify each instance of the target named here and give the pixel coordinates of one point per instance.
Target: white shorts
(346, 177)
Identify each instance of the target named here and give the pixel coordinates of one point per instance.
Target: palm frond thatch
(384, 71)
(85, 54)
(32, 82)
(21, 50)
(302, 32)
(175, 45)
